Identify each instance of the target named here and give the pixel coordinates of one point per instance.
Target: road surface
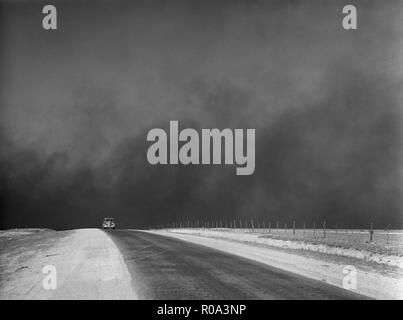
(166, 268)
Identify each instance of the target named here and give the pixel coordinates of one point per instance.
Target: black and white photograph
(201, 151)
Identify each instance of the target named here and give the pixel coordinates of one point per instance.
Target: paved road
(167, 268)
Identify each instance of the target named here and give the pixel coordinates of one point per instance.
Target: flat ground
(377, 276)
(132, 264)
(383, 242)
(167, 268)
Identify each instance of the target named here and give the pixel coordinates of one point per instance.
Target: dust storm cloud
(77, 103)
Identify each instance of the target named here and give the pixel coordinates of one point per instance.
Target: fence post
(234, 224)
(285, 227)
(251, 223)
(269, 226)
(293, 227)
(387, 236)
(371, 232)
(314, 229)
(324, 229)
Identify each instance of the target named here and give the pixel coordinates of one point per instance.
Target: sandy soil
(88, 265)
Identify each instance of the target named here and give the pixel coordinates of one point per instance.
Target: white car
(108, 223)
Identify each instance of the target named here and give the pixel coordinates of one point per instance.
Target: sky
(76, 105)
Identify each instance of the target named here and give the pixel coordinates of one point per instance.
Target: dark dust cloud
(76, 105)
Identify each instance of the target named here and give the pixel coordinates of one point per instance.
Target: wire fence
(301, 230)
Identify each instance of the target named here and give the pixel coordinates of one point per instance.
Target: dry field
(383, 242)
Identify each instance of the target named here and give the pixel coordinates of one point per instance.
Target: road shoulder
(88, 266)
